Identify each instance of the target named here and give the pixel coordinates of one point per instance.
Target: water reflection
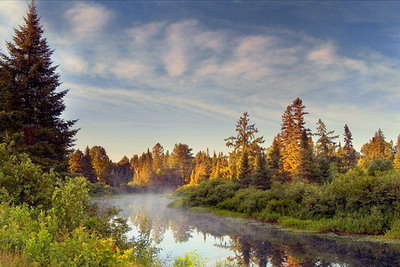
(242, 242)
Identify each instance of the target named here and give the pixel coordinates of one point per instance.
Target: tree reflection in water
(253, 243)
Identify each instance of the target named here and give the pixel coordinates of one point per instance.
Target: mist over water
(243, 242)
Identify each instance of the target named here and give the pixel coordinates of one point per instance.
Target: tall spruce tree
(262, 176)
(275, 161)
(350, 154)
(245, 140)
(31, 106)
(325, 144)
(244, 170)
(306, 167)
(182, 159)
(293, 127)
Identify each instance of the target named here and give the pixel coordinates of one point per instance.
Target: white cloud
(220, 73)
(323, 55)
(87, 19)
(177, 42)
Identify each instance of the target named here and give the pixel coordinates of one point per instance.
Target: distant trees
(182, 159)
(101, 163)
(376, 148)
(30, 105)
(246, 147)
(292, 156)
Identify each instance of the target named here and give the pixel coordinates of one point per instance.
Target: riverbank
(354, 204)
(218, 237)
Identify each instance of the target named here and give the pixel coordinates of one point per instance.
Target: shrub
(23, 181)
(69, 202)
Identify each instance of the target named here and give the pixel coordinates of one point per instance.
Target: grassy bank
(353, 203)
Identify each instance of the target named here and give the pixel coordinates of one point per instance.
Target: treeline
(301, 183)
(295, 154)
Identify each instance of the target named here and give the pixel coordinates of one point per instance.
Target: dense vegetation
(301, 184)
(354, 202)
(46, 216)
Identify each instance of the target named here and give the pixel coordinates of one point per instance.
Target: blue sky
(142, 72)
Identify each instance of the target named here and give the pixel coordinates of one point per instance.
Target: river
(244, 242)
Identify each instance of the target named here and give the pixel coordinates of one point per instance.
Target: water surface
(244, 242)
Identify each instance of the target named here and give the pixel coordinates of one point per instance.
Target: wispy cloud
(87, 19)
(219, 72)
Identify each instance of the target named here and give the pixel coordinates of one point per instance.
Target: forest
(302, 180)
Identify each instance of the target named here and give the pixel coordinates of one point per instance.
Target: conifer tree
(30, 105)
(88, 170)
(244, 170)
(325, 144)
(325, 150)
(101, 163)
(121, 172)
(76, 162)
(275, 163)
(306, 168)
(262, 175)
(245, 136)
(245, 139)
(158, 153)
(182, 158)
(376, 148)
(350, 154)
(293, 127)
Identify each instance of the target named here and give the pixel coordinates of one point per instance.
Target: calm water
(242, 242)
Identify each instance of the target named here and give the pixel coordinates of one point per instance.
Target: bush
(22, 181)
(69, 202)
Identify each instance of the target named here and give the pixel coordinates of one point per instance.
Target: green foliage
(379, 165)
(99, 189)
(60, 227)
(191, 259)
(69, 202)
(354, 202)
(21, 181)
(208, 193)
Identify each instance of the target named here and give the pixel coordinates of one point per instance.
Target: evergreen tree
(291, 138)
(121, 172)
(245, 139)
(262, 175)
(244, 171)
(325, 150)
(30, 106)
(76, 162)
(88, 170)
(245, 136)
(182, 158)
(325, 144)
(202, 169)
(350, 154)
(275, 163)
(101, 163)
(158, 153)
(306, 167)
(376, 148)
